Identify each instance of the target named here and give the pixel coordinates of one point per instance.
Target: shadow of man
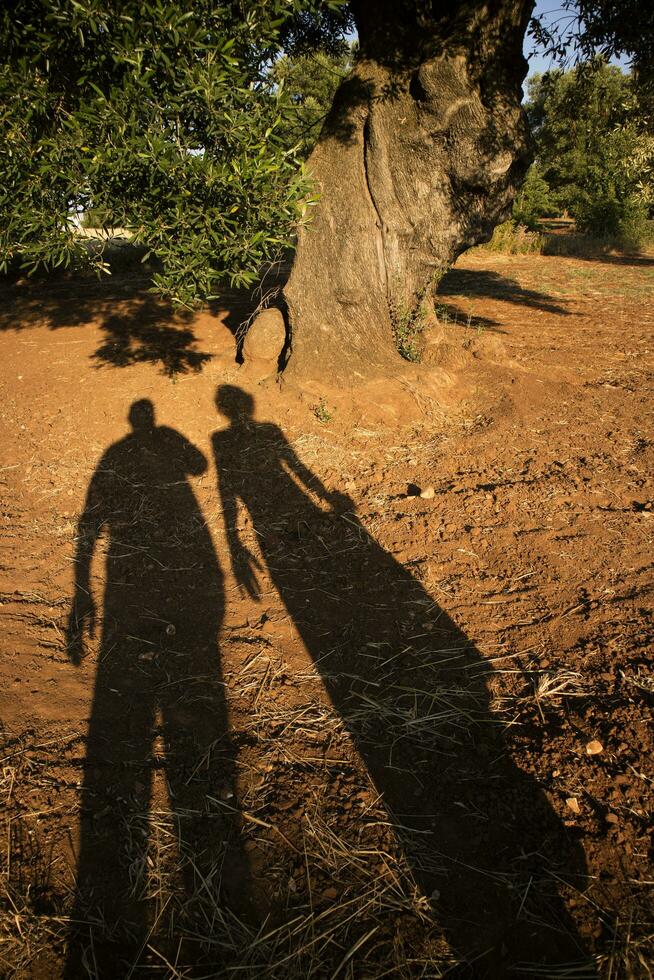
(158, 701)
(481, 837)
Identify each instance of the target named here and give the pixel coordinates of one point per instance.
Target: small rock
(428, 493)
(572, 803)
(266, 336)
(594, 747)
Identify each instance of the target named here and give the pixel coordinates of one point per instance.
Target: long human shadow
(158, 700)
(484, 843)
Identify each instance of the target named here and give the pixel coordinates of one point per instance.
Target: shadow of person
(483, 841)
(158, 700)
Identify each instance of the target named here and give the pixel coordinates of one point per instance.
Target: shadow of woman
(481, 837)
(157, 687)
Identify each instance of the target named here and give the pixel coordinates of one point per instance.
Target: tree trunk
(418, 160)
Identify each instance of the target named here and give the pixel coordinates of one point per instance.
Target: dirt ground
(370, 688)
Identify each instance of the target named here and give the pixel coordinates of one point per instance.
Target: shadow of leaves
(131, 340)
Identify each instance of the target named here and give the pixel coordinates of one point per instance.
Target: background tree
(610, 28)
(594, 147)
(309, 83)
(534, 200)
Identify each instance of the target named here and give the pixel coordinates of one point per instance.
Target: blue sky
(551, 12)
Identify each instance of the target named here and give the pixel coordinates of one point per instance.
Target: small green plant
(444, 315)
(408, 327)
(322, 412)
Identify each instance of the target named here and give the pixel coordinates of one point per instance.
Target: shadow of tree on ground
(139, 326)
(145, 335)
(492, 285)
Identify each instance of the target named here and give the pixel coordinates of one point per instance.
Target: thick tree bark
(419, 159)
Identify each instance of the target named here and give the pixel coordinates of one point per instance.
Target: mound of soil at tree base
(370, 690)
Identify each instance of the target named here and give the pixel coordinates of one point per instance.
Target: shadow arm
(83, 614)
(193, 461)
(312, 482)
(244, 563)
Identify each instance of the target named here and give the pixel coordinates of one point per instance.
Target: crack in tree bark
(381, 247)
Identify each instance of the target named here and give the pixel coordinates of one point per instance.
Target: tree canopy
(594, 148)
(609, 28)
(167, 120)
(590, 125)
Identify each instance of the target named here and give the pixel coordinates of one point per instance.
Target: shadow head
(141, 415)
(237, 405)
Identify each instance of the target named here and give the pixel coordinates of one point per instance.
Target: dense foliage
(165, 118)
(534, 200)
(594, 152)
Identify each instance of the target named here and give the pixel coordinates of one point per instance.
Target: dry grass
(342, 897)
(332, 887)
